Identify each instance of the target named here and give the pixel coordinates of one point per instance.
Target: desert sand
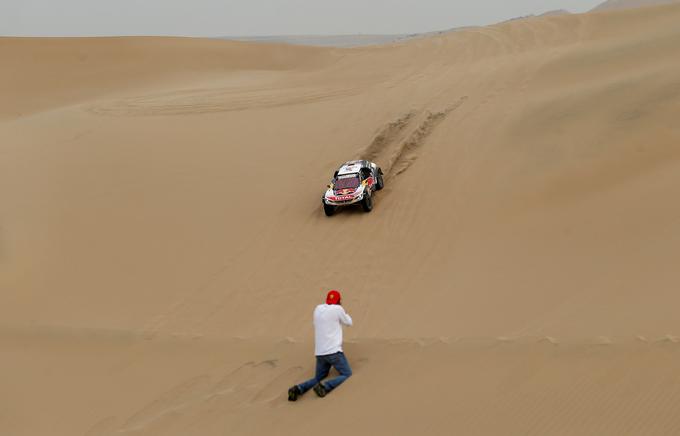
(163, 244)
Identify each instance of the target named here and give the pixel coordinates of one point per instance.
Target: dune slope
(162, 242)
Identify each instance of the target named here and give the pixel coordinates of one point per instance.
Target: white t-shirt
(328, 329)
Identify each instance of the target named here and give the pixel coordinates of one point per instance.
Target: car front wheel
(328, 209)
(367, 203)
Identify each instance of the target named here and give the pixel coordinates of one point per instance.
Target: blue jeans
(323, 367)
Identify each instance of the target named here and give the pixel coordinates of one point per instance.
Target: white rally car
(354, 182)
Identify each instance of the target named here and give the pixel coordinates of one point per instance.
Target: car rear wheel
(380, 183)
(367, 203)
(328, 209)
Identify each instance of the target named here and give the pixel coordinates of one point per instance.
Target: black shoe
(294, 393)
(320, 390)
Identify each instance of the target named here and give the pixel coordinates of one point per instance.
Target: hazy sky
(260, 17)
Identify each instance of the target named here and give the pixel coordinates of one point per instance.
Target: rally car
(354, 182)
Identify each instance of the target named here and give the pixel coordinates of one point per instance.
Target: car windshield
(350, 181)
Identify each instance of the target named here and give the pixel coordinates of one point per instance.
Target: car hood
(344, 192)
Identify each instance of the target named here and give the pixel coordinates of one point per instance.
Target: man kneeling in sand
(328, 320)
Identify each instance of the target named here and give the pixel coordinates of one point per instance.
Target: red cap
(333, 297)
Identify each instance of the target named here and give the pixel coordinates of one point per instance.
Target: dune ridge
(630, 4)
(162, 243)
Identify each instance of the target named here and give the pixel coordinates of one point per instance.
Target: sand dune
(326, 40)
(162, 242)
(628, 4)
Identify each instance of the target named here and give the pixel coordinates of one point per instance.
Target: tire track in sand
(389, 134)
(397, 145)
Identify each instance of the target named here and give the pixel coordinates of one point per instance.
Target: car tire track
(397, 144)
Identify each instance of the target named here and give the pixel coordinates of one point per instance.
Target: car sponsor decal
(341, 198)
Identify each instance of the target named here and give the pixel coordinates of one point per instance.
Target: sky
(260, 17)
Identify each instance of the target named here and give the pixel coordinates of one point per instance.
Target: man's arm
(344, 317)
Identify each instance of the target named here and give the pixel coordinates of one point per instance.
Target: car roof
(352, 167)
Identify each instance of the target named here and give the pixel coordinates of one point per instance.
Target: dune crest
(630, 4)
